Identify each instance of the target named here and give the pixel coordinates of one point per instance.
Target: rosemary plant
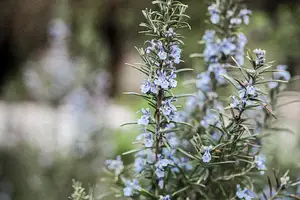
(219, 155)
(156, 167)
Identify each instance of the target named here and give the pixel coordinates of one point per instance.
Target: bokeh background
(63, 73)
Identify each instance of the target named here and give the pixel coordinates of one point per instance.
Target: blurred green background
(62, 76)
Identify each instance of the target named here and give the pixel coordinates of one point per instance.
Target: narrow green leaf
(187, 154)
(270, 186)
(183, 123)
(146, 193)
(131, 151)
(184, 70)
(240, 68)
(231, 80)
(181, 190)
(295, 183)
(137, 94)
(128, 123)
(263, 82)
(196, 55)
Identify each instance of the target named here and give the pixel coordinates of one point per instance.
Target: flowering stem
(160, 97)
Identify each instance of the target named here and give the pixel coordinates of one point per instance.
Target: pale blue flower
(251, 90)
(160, 169)
(242, 40)
(145, 118)
(229, 13)
(214, 12)
(248, 91)
(235, 21)
(167, 197)
(115, 165)
(154, 89)
(245, 194)
(191, 104)
(227, 46)
(170, 33)
(168, 108)
(161, 80)
(185, 163)
(148, 87)
(260, 161)
(139, 164)
(211, 52)
(163, 162)
(157, 46)
(161, 183)
(128, 191)
(148, 142)
(162, 54)
(160, 172)
(206, 158)
(180, 116)
(260, 57)
(219, 75)
(152, 47)
(282, 74)
(216, 135)
(147, 137)
(241, 43)
(273, 85)
(173, 140)
(147, 155)
(204, 82)
(219, 71)
(176, 53)
(209, 119)
(145, 88)
(217, 105)
(245, 13)
(131, 188)
(236, 103)
(171, 79)
(209, 36)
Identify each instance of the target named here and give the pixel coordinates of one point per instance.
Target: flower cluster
(131, 187)
(233, 44)
(115, 165)
(219, 49)
(245, 194)
(235, 18)
(260, 163)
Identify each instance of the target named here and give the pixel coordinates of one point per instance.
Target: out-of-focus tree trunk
(110, 27)
(23, 30)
